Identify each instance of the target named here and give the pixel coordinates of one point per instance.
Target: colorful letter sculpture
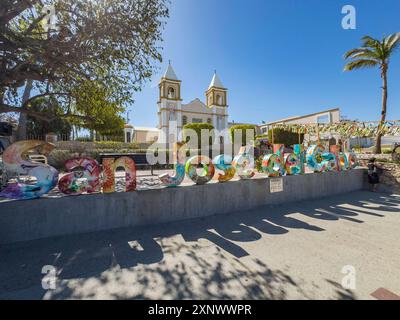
(352, 160)
(46, 176)
(298, 150)
(271, 165)
(207, 172)
(292, 164)
(335, 150)
(329, 162)
(343, 161)
(72, 182)
(244, 164)
(179, 157)
(88, 179)
(224, 162)
(109, 167)
(313, 152)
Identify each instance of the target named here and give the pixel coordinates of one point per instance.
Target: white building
(173, 114)
(325, 116)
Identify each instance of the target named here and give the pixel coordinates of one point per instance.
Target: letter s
(14, 161)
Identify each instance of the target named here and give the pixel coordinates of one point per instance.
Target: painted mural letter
(85, 180)
(352, 160)
(224, 162)
(109, 167)
(314, 158)
(299, 151)
(292, 164)
(329, 161)
(15, 161)
(179, 157)
(273, 164)
(244, 164)
(207, 172)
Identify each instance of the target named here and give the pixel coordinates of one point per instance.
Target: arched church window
(184, 120)
(209, 120)
(171, 93)
(219, 100)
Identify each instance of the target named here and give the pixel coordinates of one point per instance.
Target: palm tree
(375, 53)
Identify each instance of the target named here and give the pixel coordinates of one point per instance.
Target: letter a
(349, 20)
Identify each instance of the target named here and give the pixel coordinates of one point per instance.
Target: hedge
(244, 128)
(282, 136)
(197, 127)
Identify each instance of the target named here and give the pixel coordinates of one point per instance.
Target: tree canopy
(113, 43)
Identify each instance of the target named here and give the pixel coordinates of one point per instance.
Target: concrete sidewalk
(282, 252)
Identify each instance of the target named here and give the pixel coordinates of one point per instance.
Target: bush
(197, 127)
(244, 128)
(57, 158)
(116, 145)
(282, 136)
(387, 150)
(262, 136)
(83, 139)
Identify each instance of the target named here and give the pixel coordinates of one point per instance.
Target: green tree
(115, 43)
(243, 128)
(50, 106)
(375, 53)
(96, 110)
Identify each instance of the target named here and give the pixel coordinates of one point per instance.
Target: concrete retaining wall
(41, 218)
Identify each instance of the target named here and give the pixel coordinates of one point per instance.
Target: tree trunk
(378, 148)
(23, 117)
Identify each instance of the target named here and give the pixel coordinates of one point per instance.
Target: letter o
(207, 172)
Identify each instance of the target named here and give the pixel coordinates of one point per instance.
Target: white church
(173, 114)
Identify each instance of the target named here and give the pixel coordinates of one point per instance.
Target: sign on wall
(276, 185)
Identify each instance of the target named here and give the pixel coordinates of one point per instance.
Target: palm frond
(367, 54)
(360, 64)
(393, 42)
(351, 52)
(370, 42)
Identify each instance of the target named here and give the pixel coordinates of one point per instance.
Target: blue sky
(277, 58)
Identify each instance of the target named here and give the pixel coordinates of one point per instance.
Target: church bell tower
(216, 99)
(169, 105)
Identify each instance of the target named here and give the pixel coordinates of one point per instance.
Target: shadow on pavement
(89, 261)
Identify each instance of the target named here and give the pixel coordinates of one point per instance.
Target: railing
(66, 137)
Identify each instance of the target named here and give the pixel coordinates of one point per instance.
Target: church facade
(173, 114)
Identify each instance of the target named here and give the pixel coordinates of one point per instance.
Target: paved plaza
(297, 250)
